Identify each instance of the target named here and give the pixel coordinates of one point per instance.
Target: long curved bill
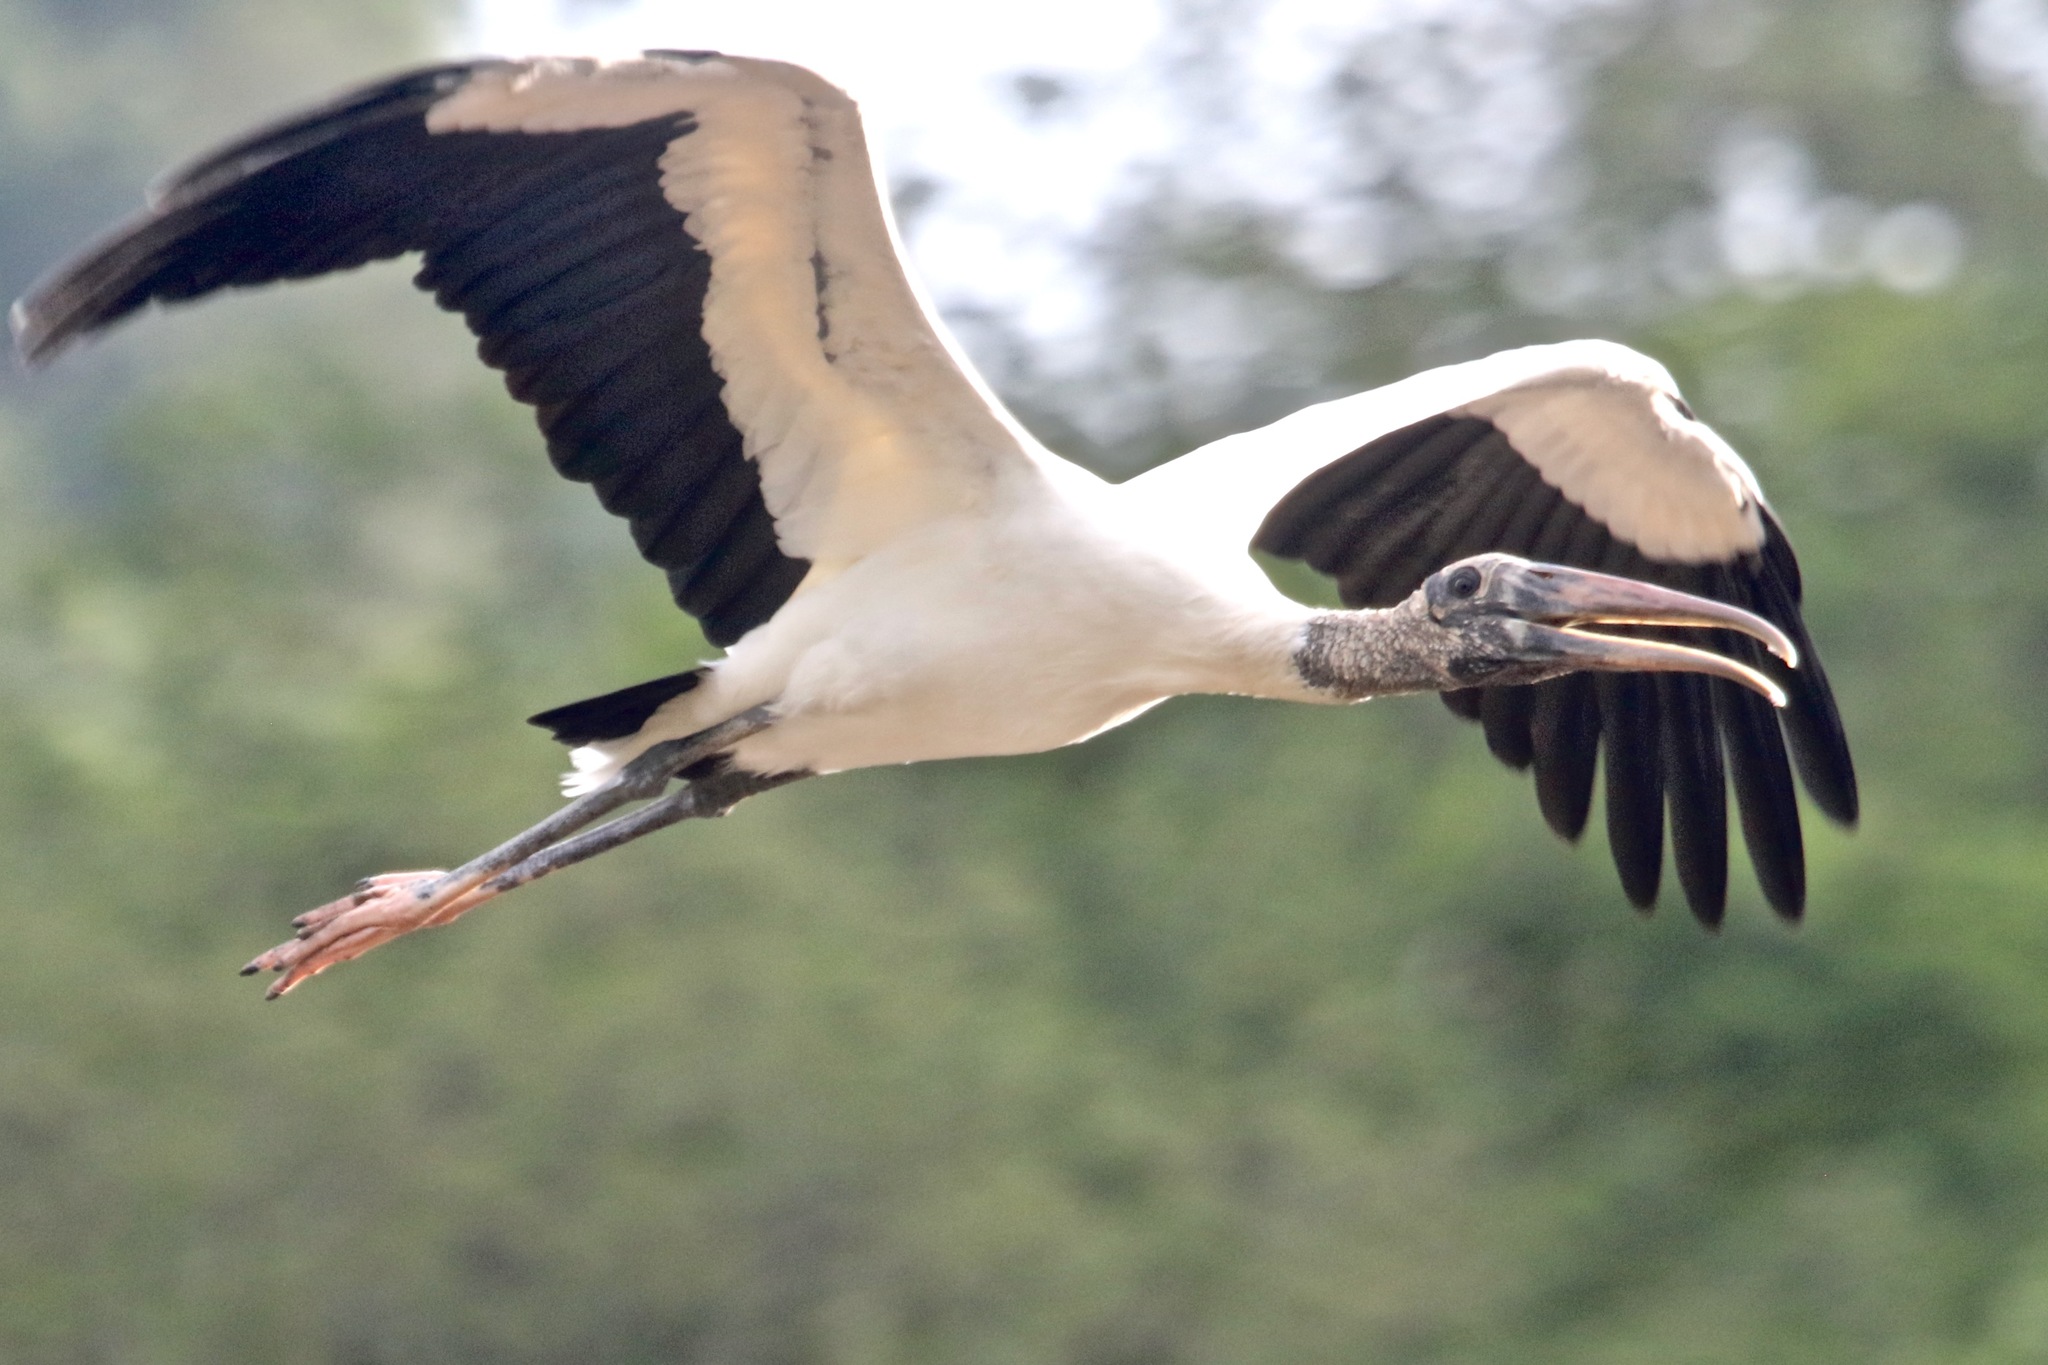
(1554, 599)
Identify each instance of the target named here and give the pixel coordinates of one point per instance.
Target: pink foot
(380, 909)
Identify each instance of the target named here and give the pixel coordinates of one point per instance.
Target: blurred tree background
(1243, 1034)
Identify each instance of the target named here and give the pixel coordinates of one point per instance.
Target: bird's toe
(376, 911)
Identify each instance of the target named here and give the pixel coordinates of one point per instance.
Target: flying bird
(683, 263)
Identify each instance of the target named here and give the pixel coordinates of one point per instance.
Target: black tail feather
(615, 714)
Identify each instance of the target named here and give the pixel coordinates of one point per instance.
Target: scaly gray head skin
(1495, 619)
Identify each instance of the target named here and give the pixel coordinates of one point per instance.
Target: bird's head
(1513, 621)
(1497, 619)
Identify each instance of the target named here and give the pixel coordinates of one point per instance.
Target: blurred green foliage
(1242, 1034)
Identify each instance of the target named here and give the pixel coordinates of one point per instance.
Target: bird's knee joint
(654, 769)
(641, 786)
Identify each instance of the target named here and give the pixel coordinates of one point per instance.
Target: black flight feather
(1382, 518)
(559, 250)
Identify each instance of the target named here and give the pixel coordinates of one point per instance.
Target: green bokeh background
(1242, 1034)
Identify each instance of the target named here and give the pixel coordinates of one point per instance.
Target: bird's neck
(1352, 655)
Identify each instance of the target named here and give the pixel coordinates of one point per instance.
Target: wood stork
(683, 263)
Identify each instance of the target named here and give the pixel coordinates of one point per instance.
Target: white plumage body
(1061, 611)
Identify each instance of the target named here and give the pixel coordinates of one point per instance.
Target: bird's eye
(1464, 582)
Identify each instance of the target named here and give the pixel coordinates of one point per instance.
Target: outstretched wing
(1579, 454)
(681, 262)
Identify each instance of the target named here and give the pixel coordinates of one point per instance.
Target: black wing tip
(68, 304)
(106, 281)
(1786, 894)
(1566, 822)
(1637, 851)
(417, 87)
(1833, 788)
(46, 321)
(1706, 893)
(1818, 741)
(1708, 906)
(35, 343)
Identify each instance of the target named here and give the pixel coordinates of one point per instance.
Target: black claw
(251, 970)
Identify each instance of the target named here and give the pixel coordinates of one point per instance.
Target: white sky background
(1473, 123)
(931, 79)
(1018, 190)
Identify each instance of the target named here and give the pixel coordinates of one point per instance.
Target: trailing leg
(384, 907)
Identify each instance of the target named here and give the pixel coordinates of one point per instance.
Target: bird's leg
(702, 798)
(384, 907)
